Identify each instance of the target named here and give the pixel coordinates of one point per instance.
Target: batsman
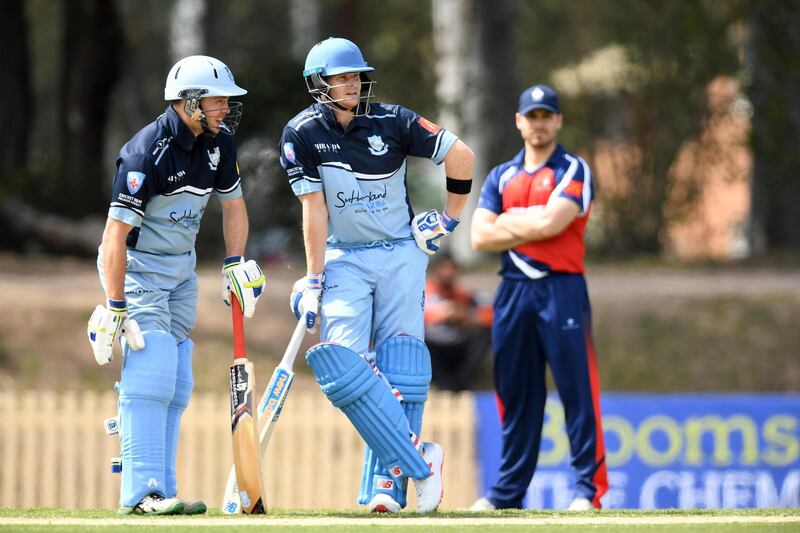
(366, 255)
(164, 178)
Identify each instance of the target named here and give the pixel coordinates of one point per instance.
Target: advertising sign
(684, 451)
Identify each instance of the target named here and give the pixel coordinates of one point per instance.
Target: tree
(773, 57)
(15, 91)
(91, 59)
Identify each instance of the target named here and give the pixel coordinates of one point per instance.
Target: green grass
(791, 522)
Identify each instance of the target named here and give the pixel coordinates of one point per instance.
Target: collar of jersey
(330, 117)
(181, 134)
(519, 159)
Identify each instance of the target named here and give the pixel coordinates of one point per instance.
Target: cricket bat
(246, 456)
(268, 412)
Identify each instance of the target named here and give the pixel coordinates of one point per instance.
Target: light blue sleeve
(125, 215)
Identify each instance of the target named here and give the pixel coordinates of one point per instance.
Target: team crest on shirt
(213, 158)
(288, 151)
(135, 181)
(376, 145)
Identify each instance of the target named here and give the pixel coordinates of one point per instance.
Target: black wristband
(459, 186)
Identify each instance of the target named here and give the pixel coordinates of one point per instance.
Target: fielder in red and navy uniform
(534, 210)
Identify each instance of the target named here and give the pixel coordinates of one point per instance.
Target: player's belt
(386, 243)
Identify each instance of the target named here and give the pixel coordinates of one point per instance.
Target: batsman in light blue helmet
(366, 255)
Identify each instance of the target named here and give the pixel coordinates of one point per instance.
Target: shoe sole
(380, 509)
(126, 511)
(199, 508)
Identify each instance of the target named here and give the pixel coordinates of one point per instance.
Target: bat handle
(238, 328)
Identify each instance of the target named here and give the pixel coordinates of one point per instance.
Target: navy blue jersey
(165, 175)
(362, 169)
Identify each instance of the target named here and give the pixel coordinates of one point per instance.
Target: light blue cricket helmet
(334, 56)
(330, 57)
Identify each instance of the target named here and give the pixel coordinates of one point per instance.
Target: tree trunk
(774, 57)
(187, 37)
(15, 91)
(477, 89)
(304, 19)
(93, 41)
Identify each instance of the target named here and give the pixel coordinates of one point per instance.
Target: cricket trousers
(539, 322)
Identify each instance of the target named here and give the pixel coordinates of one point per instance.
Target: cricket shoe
(383, 503)
(482, 504)
(154, 504)
(193, 507)
(430, 490)
(581, 504)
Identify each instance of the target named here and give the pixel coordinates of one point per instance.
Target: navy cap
(538, 97)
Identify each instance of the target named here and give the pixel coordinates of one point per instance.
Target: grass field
(331, 521)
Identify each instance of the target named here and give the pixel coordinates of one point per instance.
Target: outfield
(328, 521)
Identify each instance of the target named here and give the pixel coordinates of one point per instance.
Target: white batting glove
(106, 324)
(245, 280)
(429, 227)
(305, 298)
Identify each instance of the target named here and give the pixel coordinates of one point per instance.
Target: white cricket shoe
(430, 490)
(482, 504)
(154, 504)
(580, 504)
(383, 503)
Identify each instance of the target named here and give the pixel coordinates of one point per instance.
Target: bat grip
(238, 328)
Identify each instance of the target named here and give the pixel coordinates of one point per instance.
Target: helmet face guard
(191, 104)
(319, 89)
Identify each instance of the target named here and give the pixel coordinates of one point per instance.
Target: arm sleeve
(423, 138)
(298, 162)
(491, 198)
(134, 184)
(228, 182)
(576, 183)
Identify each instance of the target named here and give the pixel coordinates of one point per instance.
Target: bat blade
(271, 404)
(246, 453)
(268, 412)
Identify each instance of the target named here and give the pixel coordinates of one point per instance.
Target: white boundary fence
(54, 451)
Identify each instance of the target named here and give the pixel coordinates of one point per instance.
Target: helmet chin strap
(191, 105)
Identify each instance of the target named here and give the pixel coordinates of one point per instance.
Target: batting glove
(305, 298)
(245, 280)
(108, 323)
(429, 227)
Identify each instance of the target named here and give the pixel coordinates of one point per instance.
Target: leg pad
(351, 385)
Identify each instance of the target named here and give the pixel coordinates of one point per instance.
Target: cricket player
(366, 255)
(165, 176)
(534, 210)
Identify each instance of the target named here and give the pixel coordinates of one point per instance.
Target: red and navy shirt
(509, 188)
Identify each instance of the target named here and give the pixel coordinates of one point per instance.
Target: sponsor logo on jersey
(288, 151)
(213, 158)
(428, 125)
(135, 181)
(372, 199)
(386, 484)
(376, 145)
(187, 218)
(326, 147)
(571, 323)
(178, 176)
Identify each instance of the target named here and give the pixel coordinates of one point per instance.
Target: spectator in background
(457, 327)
